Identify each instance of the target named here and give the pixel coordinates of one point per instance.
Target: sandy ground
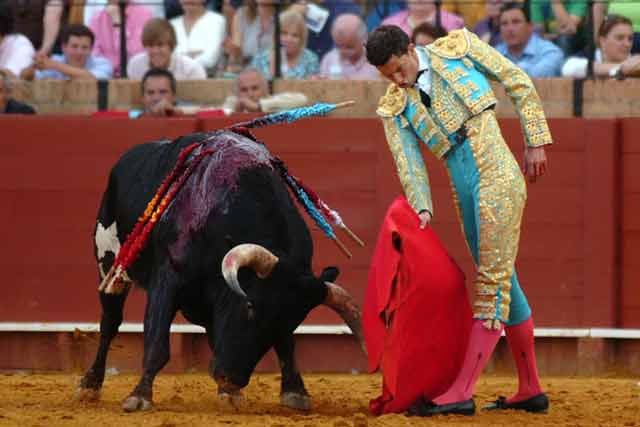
(339, 400)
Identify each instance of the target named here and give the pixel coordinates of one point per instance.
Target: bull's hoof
(235, 400)
(136, 403)
(86, 394)
(301, 402)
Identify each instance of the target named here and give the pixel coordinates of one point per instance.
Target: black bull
(234, 204)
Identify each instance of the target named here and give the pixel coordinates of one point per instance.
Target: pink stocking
(482, 341)
(520, 339)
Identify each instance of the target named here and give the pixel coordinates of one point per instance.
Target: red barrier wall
(53, 172)
(630, 236)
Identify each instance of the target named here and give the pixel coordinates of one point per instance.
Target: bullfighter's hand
(425, 218)
(535, 163)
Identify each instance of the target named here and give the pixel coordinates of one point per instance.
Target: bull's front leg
(159, 313)
(292, 391)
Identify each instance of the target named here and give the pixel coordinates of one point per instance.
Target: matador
(440, 96)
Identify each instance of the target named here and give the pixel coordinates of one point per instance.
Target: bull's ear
(329, 274)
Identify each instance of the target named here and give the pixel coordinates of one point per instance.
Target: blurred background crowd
(257, 41)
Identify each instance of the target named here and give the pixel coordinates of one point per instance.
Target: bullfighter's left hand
(535, 163)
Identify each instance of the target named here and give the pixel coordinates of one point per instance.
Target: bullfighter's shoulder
(453, 46)
(392, 102)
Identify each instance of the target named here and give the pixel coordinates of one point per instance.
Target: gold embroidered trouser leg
(490, 193)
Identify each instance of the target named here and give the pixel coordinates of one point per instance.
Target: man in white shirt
(252, 95)
(347, 59)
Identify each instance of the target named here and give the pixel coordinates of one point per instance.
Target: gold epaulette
(393, 102)
(453, 46)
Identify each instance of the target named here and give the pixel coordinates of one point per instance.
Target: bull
(231, 252)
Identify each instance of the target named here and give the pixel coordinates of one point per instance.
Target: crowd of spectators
(319, 39)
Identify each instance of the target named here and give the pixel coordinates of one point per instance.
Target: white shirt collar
(424, 81)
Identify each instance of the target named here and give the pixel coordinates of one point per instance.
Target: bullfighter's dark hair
(159, 72)
(6, 19)
(385, 41)
(514, 5)
(77, 30)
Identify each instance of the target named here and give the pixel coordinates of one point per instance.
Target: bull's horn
(258, 258)
(342, 303)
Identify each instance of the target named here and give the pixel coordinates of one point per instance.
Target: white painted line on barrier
(301, 330)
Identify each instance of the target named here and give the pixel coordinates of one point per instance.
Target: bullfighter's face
(402, 70)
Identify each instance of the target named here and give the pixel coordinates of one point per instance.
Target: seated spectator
(614, 58)
(9, 105)
(426, 33)
(536, 56)
(16, 51)
(561, 21)
(76, 61)
(105, 24)
(488, 28)
(159, 41)
(348, 60)
(158, 88)
(630, 9)
(297, 62)
(200, 33)
(251, 31)
(251, 94)
(419, 11)
(320, 42)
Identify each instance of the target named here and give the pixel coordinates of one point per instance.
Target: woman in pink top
(419, 11)
(106, 27)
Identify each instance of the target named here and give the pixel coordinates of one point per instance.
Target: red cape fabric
(416, 316)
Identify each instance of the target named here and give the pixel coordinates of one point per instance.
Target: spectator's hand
(318, 77)
(631, 66)
(230, 48)
(425, 218)
(535, 163)
(164, 108)
(42, 61)
(247, 105)
(568, 27)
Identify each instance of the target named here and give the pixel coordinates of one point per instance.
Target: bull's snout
(227, 383)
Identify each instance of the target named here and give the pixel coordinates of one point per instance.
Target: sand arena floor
(339, 401)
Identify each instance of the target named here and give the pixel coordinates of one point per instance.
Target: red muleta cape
(416, 313)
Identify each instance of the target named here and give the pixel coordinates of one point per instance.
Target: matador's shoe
(427, 408)
(537, 404)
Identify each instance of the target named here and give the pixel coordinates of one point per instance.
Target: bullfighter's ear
(329, 274)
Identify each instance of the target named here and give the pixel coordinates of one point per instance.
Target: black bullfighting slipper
(537, 404)
(426, 408)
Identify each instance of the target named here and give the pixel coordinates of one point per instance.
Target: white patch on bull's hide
(107, 239)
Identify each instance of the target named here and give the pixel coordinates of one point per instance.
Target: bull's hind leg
(292, 391)
(159, 313)
(91, 382)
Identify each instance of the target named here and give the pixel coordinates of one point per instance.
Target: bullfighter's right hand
(425, 218)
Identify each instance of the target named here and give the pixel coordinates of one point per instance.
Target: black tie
(426, 99)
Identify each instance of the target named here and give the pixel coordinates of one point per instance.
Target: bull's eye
(250, 310)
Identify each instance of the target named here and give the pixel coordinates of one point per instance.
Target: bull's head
(276, 303)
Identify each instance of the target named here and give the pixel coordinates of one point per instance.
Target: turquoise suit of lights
(488, 187)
